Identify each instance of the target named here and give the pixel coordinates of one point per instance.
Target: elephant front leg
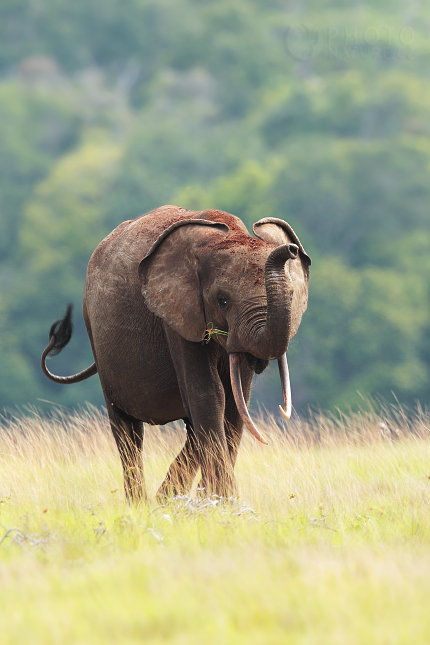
(233, 423)
(217, 476)
(182, 472)
(217, 469)
(203, 398)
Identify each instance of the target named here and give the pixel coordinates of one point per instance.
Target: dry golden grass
(329, 542)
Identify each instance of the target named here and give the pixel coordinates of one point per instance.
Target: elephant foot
(135, 494)
(169, 490)
(224, 487)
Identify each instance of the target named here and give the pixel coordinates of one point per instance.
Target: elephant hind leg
(182, 471)
(128, 435)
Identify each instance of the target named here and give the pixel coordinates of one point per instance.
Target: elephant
(182, 308)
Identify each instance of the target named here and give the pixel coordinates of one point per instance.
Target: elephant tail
(59, 335)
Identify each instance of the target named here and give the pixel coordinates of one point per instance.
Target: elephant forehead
(239, 242)
(243, 275)
(235, 265)
(240, 251)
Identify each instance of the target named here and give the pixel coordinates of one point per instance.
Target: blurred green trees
(317, 115)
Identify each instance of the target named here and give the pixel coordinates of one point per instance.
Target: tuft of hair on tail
(62, 330)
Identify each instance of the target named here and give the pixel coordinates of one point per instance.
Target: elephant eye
(222, 302)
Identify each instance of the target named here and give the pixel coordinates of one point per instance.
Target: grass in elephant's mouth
(332, 530)
(212, 331)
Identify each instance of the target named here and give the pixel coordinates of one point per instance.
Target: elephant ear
(169, 277)
(272, 229)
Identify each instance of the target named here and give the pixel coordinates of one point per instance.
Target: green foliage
(318, 115)
(350, 195)
(36, 126)
(63, 221)
(246, 192)
(379, 347)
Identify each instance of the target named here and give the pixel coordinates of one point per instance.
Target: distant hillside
(317, 114)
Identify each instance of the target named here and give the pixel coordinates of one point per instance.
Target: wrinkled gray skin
(154, 285)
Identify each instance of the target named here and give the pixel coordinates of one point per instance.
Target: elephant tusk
(286, 387)
(236, 385)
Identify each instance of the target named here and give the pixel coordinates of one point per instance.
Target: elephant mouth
(236, 385)
(256, 364)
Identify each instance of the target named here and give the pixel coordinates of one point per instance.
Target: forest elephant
(182, 308)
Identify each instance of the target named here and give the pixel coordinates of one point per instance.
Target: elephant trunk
(272, 340)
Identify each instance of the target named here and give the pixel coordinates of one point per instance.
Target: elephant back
(132, 240)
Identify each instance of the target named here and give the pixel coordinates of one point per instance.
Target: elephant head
(207, 278)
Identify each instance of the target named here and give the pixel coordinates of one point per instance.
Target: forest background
(315, 112)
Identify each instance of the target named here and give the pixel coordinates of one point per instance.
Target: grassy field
(329, 543)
